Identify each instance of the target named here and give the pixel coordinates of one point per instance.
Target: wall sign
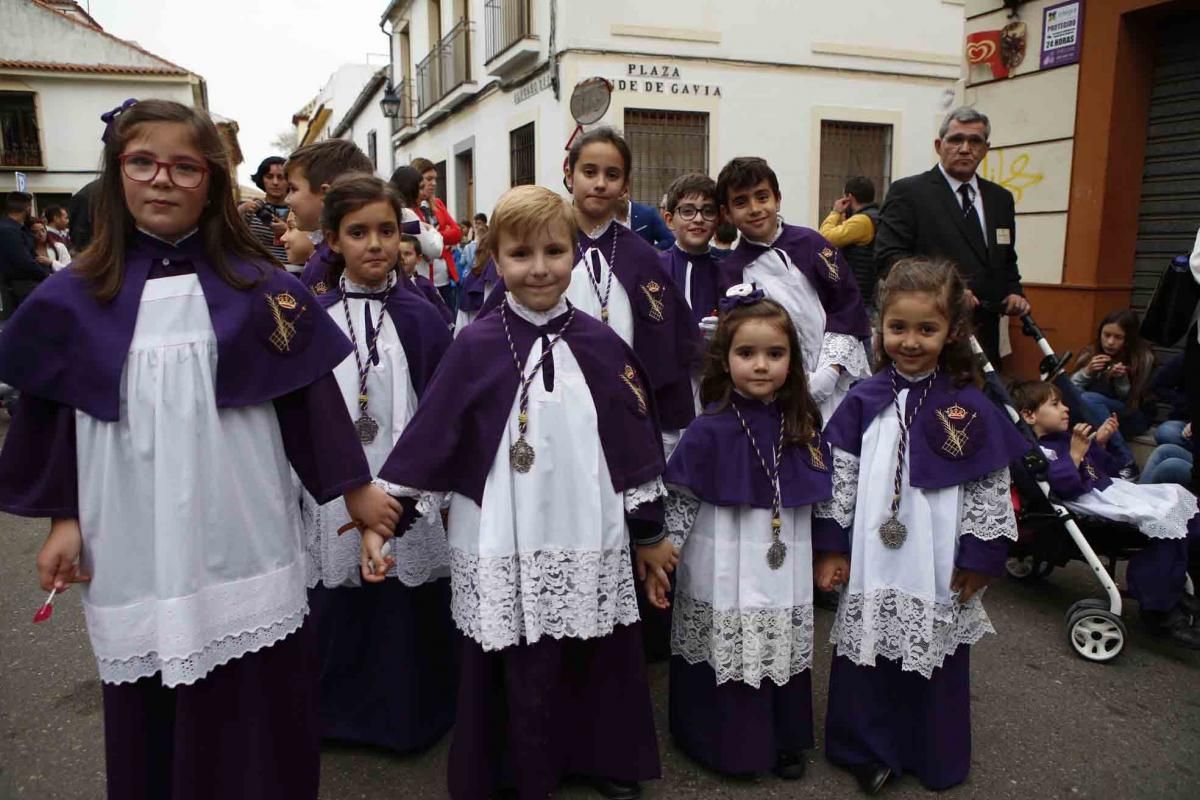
(535, 86)
(1062, 33)
(661, 79)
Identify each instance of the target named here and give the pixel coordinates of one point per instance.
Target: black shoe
(871, 777)
(789, 765)
(1174, 625)
(617, 790)
(825, 600)
(1129, 472)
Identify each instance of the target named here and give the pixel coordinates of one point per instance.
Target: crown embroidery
(653, 292)
(286, 301)
(630, 378)
(320, 288)
(285, 330)
(828, 256)
(957, 438)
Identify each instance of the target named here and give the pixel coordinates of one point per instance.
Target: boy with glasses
(691, 212)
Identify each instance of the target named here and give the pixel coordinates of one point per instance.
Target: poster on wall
(1062, 32)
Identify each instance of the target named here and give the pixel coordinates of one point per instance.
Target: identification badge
(1003, 236)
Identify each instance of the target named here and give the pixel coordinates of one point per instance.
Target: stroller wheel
(1087, 604)
(1096, 634)
(1027, 568)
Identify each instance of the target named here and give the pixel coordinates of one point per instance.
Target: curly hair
(942, 280)
(801, 416)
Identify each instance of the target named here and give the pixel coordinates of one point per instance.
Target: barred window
(521, 156)
(852, 149)
(20, 144)
(665, 145)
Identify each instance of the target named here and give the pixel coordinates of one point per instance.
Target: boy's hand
(1098, 363)
(657, 560)
(1105, 431)
(372, 508)
(58, 560)
(373, 561)
(657, 591)
(831, 570)
(1081, 440)
(968, 583)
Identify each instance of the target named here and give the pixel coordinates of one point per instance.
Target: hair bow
(744, 294)
(110, 117)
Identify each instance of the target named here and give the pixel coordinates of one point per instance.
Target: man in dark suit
(950, 212)
(646, 223)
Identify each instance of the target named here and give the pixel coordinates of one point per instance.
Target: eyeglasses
(144, 169)
(957, 140)
(689, 212)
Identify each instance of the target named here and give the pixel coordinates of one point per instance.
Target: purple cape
(665, 339)
(422, 332)
(422, 287)
(450, 443)
(824, 267)
(474, 286)
(705, 276)
(65, 346)
(714, 460)
(1069, 481)
(984, 440)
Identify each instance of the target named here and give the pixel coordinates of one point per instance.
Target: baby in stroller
(1082, 474)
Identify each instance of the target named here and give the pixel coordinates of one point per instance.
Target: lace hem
(646, 493)
(744, 645)
(1174, 525)
(186, 671)
(840, 507)
(427, 502)
(680, 512)
(846, 351)
(987, 509)
(916, 632)
(499, 601)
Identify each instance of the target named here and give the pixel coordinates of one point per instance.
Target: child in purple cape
(171, 379)
(392, 639)
(749, 487)
(1084, 476)
(553, 465)
(920, 476)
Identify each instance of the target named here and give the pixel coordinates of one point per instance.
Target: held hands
(1015, 305)
(968, 584)
(1119, 370)
(376, 514)
(1081, 440)
(374, 561)
(654, 562)
(58, 560)
(831, 570)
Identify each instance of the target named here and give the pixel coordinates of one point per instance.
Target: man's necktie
(971, 216)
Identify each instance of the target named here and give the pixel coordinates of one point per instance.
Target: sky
(262, 59)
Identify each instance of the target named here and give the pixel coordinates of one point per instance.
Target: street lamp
(391, 103)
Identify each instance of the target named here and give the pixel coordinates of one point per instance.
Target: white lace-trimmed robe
(732, 611)
(898, 603)
(786, 284)
(421, 554)
(546, 554)
(191, 530)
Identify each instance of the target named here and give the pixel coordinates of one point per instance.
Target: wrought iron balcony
(447, 67)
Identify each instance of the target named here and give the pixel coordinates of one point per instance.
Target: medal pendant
(367, 428)
(520, 455)
(604, 315)
(776, 554)
(893, 533)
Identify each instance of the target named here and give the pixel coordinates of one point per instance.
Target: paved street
(1047, 724)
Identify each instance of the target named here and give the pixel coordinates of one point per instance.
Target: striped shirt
(264, 234)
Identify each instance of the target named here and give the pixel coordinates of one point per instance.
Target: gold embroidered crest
(829, 256)
(320, 288)
(816, 457)
(1091, 471)
(630, 377)
(285, 329)
(653, 291)
(957, 439)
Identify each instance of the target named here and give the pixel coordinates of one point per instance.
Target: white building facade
(822, 91)
(50, 106)
(364, 124)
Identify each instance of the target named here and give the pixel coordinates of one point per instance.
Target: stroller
(1051, 536)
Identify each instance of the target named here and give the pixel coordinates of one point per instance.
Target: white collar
(351, 286)
(600, 230)
(537, 318)
(913, 378)
(175, 243)
(955, 182)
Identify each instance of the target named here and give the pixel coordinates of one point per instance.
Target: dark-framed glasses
(144, 169)
(689, 212)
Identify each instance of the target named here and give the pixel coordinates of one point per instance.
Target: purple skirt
(734, 728)
(246, 730)
(533, 714)
(389, 663)
(912, 724)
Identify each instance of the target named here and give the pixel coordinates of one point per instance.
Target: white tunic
(421, 554)
(898, 603)
(745, 620)
(547, 552)
(191, 531)
(784, 282)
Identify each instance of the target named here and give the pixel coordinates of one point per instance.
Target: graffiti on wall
(1010, 170)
